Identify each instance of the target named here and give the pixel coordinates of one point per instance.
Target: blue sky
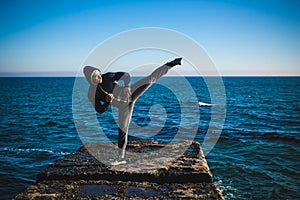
(241, 37)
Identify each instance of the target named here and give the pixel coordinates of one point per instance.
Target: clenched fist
(109, 97)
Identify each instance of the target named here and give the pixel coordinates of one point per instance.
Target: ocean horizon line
(74, 75)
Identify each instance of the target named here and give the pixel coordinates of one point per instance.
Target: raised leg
(125, 112)
(142, 85)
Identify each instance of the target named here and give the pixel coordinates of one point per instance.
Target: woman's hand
(109, 97)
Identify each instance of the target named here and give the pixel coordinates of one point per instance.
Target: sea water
(257, 156)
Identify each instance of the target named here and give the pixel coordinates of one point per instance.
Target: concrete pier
(81, 176)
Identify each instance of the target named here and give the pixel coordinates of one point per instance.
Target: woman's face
(98, 79)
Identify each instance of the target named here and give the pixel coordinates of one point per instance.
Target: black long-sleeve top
(98, 97)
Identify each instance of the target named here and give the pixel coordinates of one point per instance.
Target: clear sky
(254, 37)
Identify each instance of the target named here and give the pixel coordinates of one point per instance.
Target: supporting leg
(125, 113)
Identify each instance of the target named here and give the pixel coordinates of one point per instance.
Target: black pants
(125, 111)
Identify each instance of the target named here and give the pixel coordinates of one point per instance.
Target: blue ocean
(257, 155)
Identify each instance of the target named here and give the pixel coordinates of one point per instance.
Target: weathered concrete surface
(81, 176)
(103, 189)
(191, 167)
